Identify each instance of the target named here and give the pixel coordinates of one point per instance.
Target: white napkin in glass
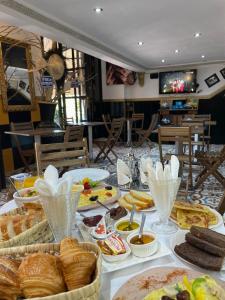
(123, 173)
(52, 185)
(145, 166)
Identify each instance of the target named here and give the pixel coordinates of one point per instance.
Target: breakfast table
(112, 281)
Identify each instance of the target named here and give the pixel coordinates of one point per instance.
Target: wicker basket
(39, 233)
(89, 292)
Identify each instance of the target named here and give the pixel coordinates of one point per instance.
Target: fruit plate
(218, 216)
(93, 173)
(178, 239)
(142, 284)
(131, 260)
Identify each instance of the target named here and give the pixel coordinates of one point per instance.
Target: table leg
(128, 132)
(90, 142)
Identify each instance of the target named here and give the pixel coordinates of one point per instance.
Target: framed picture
(212, 80)
(22, 84)
(223, 72)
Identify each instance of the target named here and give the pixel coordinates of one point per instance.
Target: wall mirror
(16, 82)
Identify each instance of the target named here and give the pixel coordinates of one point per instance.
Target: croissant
(9, 280)
(40, 276)
(78, 264)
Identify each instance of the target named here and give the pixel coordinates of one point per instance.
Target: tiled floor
(209, 193)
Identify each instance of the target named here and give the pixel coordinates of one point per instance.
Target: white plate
(178, 239)
(131, 260)
(92, 173)
(219, 219)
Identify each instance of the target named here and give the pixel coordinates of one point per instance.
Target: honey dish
(124, 228)
(146, 247)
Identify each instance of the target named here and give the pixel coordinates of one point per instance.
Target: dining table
(113, 280)
(90, 126)
(37, 134)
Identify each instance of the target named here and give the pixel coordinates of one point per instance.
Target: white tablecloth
(111, 282)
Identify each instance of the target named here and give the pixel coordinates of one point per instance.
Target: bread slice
(142, 196)
(185, 205)
(127, 205)
(204, 245)
(199, 257)
(130, 199)
(209, 235)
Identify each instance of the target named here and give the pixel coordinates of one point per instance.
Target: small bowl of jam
(91, 222)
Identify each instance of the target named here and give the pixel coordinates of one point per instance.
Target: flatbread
(142, 196)
(186, 219)
(189, 206)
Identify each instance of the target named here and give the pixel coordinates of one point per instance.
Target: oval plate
(93, 173)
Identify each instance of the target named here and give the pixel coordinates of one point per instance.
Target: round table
(111, 282)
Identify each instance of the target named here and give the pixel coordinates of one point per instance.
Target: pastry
(140, 200)
(78, 264)
(9, 281)
(13, 225)
(40, 276)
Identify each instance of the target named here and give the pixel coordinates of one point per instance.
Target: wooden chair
(221, 206)
(106, 144)
(179, 135)
(210, 162)
(144, 135)
(107, 121)
(197, 131)
(26, 155)
(62, 155)
(137, 122)
(73, 133)
(67, 121)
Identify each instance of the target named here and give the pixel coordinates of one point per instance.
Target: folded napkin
(124, 175)
(145, 165)
(52, 185)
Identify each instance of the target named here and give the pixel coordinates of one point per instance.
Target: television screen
(177, 82)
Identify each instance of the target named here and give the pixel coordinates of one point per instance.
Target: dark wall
(216, 107)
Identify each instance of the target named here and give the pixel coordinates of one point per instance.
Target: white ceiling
(163, 26)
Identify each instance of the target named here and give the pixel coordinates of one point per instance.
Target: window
(74, 99)
(73, 102)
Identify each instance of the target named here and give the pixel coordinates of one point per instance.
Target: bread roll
(78, 264)
(40, 276)
(9, 281)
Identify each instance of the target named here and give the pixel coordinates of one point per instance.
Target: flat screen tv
(177, 82)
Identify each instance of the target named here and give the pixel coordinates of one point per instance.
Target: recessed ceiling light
(176, 51)
(98, 10)
(203, 56)
(197, 34)
(140, 43)
(163, 60)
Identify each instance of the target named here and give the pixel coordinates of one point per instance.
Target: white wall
(151, 86)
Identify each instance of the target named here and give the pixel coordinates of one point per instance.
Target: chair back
(21, 126)
(107, 121)
(196, 127)
(61, 155)
(67, 121)
(138, 120)
(175, 134)
(116, 129)
(73, 133)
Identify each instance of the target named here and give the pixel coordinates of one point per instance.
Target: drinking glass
(60, 212)
(164, 193)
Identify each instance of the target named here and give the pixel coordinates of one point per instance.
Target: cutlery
(14, 187)
(129, 227)
(140, 234)
(103, 205)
